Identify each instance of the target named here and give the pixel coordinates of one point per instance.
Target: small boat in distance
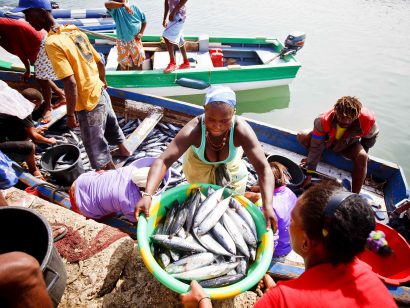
(240, 63)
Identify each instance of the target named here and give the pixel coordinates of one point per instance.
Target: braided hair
(348, 106)
(349, 228)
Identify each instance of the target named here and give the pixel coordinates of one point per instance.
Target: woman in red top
(328, 228)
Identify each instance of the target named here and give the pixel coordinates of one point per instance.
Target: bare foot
(123, 151)
(46, 118)
(60, 101)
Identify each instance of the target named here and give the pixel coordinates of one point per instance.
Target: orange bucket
(393, 269)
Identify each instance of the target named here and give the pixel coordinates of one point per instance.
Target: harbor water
(353, 47)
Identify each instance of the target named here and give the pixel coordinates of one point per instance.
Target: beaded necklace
(216, 146)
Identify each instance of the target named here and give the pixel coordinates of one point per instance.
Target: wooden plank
(140, 133)
(56, 114)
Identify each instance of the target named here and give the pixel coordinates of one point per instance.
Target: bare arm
(26, 63)
(70, 90)
(176, 9)
(246, 138)
(112, 5)
(166, 10)
(185, 138)
(101, 73)
(38, 138)
(141, 33)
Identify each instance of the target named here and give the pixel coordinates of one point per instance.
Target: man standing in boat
(173, 32)
(79, 66)
(130, 23)
(349, 129)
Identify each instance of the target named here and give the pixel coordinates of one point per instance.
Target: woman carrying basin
(213, 144)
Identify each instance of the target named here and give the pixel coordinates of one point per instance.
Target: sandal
(59, 231)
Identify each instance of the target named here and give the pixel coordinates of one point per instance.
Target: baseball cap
(32, 4)
(220, 94)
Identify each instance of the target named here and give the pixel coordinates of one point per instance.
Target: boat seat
(203, 60)
(266, 55)
(112, 60)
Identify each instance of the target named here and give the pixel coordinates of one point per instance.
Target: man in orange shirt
(79, 66)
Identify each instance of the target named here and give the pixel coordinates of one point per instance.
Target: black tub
(24, 230)
(294, 169)
(65, 176)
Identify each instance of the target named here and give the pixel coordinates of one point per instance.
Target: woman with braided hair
(349, 129)
(328, 229)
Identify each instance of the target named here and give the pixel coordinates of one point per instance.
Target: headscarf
(221, 94)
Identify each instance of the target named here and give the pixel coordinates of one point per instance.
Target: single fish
(206, 272)
(177, 243)
(190, 263)
(245, 230)
(192, 209)
(221, 281)
(245, 215)
(222, 236)
(180, 218)
(211, 220)
(170, 217)
(235, 233)
(207, 206)
(211, 244)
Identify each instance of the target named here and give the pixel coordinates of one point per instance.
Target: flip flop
(61, 231)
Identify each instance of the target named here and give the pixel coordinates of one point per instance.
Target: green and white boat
(240, 63)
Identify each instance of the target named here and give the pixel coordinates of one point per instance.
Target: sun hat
(32, 4)
(220, 94)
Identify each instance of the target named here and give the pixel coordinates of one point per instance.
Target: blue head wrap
(221, 94)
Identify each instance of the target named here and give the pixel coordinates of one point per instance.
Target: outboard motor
(293, 43)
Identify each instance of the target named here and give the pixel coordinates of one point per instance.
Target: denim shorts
(99, 128)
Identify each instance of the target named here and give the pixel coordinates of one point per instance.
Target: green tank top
(200, 152)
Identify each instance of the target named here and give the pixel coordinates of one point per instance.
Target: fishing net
(73, 247)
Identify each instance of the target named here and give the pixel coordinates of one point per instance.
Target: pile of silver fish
(209, 239)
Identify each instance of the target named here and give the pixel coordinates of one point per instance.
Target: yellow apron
(196, 171)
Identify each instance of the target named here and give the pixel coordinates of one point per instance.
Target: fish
(223, 238)
(190, 263)
(192, 208)
(221, 281)
(170, 218)
(180, 218)
(214, 216)
(244, 229)
(211, 244)
(235, 233)
(207, 206)
(245, 215)
(206, 272)
(177, 243)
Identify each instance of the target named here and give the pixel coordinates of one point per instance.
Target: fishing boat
(385, 181)
(240, 63)
(93, 19)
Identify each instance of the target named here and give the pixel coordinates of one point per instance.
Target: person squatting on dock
(173, 32)
(130, 23)
(79, 66)
(20, 39)
(17, 126)
(213, 144)
(349, 129)
(329, 227)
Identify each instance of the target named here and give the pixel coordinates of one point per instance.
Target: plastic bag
(8, 177)
(13, 103)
